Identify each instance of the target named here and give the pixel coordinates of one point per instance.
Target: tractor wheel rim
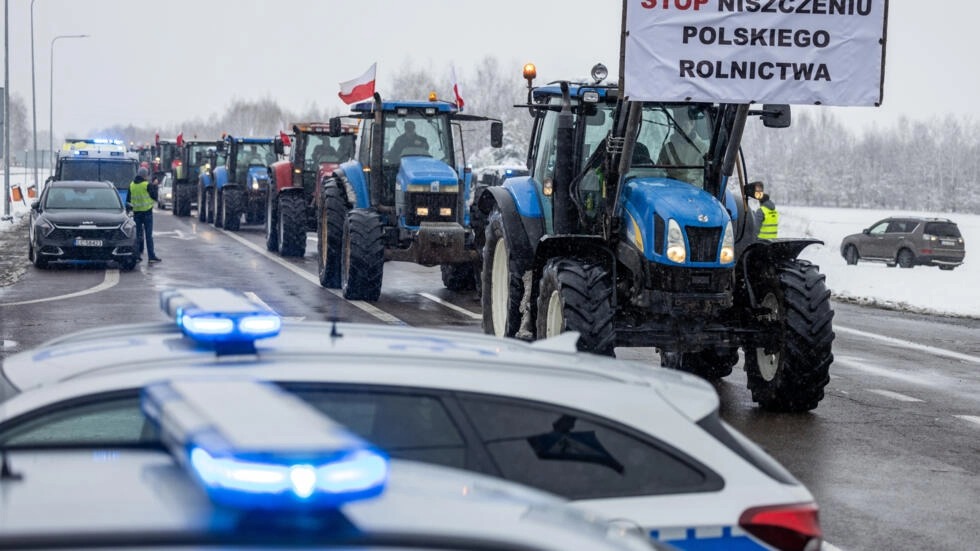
(555, 322)
(499, 288)
(769, 363)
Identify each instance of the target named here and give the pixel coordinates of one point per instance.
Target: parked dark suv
(907, 242)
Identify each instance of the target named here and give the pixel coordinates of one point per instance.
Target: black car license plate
(88, 242)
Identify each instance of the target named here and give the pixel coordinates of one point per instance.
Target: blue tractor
(240, 186)
(403, 197)
(633, 229)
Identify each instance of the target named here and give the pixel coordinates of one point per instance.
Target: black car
(907, 241)
(81, 220)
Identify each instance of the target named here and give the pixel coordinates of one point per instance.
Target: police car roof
(142, 497)
(360, 353)
(80, 183)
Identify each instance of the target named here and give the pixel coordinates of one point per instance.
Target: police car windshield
(120, 173)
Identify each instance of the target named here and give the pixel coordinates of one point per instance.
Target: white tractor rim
(769, 363)
(555, 322)
(499, 288)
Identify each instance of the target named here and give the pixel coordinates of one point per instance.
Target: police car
(619, 439)
(244, 464)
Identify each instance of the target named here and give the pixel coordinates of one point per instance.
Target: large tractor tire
(576, 296)
(231, 209)
(202, 203)
(502, 284)
(182, 200)
(291, 228)
(364, 256)
(710, 364)
(459, 277)
(272, 224)
(330, 235)
(793, 378)
(218, 206)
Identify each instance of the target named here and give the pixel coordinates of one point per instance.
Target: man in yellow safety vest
(142, 196)
(766, 218)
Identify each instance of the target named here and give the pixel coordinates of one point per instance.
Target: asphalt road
(892, 453)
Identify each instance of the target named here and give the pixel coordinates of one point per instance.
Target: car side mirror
(866, 231)
(36, 206)
(496, 134)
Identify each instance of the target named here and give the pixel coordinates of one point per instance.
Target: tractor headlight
(445, 212)
(727, 255)
(255, 183)
(422, 211)
(676, 249)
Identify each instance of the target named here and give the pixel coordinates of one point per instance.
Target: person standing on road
(766, 218)
(142, 197)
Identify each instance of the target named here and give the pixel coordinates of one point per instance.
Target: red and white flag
(359, 89)
(459, 95)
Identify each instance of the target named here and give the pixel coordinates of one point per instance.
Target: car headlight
(676, 249)
(727, 255)
(128, 227)
(44, 227)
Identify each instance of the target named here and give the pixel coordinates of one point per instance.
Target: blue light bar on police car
(220, 316)
(254, 446)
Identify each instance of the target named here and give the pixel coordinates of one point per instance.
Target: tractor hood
(695, 210)
(426, 171)
(260, 173)
(689, 205)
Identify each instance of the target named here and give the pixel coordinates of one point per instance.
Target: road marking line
(894, 395)
(365, 306)
(111, 279)
(883, 372)
(910, 345)
(828, 547)
(971, 418)
(452, 306)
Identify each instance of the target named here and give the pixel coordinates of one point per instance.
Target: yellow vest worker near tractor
(766, 218)
(142, 197)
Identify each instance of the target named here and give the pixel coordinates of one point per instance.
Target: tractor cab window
(547, 148)
(415, 134)
(253, 154)
(321, 148)
(589, 188)
(672, 141)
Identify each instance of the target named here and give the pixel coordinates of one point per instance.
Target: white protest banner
(816, 52)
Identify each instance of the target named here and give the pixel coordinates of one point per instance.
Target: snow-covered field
(920, 289)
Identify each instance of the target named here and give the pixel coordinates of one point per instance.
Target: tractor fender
(756, 264)
(282, 175)
(522, 233)
(355, 184)
(339, 176)
(220, 177)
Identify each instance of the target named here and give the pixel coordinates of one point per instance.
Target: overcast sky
(163, 61)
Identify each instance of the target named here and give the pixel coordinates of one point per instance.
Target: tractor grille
(704, 243)
(432, 201)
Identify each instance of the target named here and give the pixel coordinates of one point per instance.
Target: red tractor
(291, 209)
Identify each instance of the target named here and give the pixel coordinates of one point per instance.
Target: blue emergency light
(228, 320)
(253, 446)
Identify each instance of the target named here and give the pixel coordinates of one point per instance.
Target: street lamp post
(34, 102)
(51, 99)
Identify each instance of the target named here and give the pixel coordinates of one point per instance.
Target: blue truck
(633, 229)
(402, 197)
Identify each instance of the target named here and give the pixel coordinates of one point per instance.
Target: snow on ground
(923, 289)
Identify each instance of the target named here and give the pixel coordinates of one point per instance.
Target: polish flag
(359, 89)
(459, 96)
(180, 139)
(285, 139)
